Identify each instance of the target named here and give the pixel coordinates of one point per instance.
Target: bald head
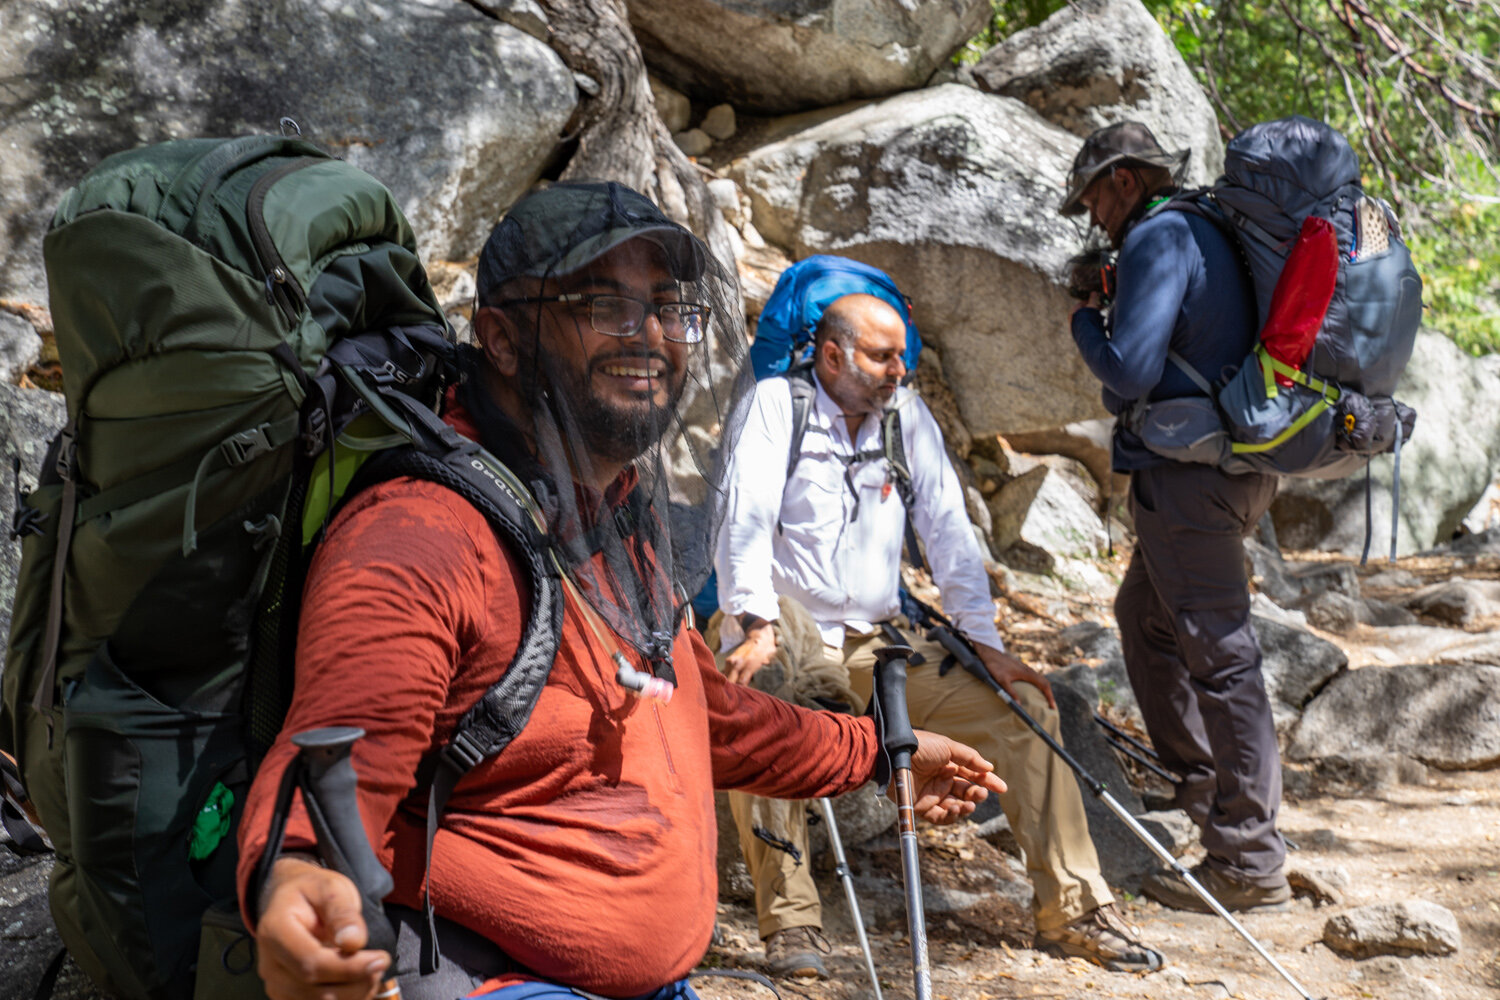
(858, 352)
(845, 317)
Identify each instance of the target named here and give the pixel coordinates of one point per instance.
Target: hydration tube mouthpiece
(642, 684)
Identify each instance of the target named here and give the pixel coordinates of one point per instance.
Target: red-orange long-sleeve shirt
(586, 850)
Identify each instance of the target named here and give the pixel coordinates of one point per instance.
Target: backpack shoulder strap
(893, 444)
(804, 390)
(500, 714)
(1235, 225)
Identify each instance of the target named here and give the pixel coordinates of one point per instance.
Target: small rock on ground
(693, 142)
(1406, 928)
(1322, 885)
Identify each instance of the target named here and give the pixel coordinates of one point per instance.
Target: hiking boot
(1170, 889)
(795, 952)
(1101, 936)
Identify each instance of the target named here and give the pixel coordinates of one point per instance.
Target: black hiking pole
(329, 792)
(898, 741)
(847, 877)
(1135, 749)
(947, 636)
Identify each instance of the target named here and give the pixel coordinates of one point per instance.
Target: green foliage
(1006, 18)
(1414, 84)
(1456, 246)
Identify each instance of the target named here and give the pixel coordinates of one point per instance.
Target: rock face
(1099, 62)
(89, 81)
(28, 420)
(1447, 717)
(1458, 601)
(1123, 859)
(941, 188)
(1045, 516)
(1413, 927)
(1101, 647)
(20, 347)
(1450, 461)
(1295, 664)
(774, 56)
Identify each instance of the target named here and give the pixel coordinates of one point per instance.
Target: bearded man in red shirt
(582, 858)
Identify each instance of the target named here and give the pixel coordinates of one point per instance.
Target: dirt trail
(1435, 842)
(1438, 841)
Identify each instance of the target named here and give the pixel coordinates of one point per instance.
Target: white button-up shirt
(804, 536)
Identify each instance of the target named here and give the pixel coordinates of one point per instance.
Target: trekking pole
(842, 870)
(898, 741)
(947, 636)
(330, 794)
(1135, 750)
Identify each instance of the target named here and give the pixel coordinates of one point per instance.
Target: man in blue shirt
(1184, 605)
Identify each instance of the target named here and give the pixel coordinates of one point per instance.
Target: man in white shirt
(827, 535)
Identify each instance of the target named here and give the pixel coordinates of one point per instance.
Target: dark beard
(614, 435)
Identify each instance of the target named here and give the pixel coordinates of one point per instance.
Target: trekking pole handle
(330, 794)
(896, 735)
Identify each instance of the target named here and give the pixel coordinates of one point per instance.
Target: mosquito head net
(600, 323)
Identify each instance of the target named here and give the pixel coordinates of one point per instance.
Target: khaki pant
(1043, 802)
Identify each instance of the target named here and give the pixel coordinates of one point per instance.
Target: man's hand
(1008, 671)
(311, 935)
(758, 649)
(1095, 301)
(950, 778)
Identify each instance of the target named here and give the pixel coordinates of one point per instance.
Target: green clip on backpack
(225, 311)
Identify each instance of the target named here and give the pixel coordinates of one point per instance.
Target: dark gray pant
(1194, 662)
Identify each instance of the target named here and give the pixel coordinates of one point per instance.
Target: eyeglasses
(620, 316)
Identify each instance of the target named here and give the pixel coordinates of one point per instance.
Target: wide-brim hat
(558, 229)
(1125, 142)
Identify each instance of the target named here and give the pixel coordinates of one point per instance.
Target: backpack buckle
(246, 445)
(461, 754)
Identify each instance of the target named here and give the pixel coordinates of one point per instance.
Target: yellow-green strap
(1271, 367)
(1312, 414)
(1267, 370)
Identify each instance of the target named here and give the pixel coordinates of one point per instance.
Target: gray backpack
(1338, 412)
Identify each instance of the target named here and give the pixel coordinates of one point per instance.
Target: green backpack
(243, 324)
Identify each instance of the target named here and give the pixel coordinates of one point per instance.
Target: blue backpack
(1338, 411)
(783, 347)
(784, 334)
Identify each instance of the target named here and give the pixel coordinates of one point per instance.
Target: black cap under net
(630, 383)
